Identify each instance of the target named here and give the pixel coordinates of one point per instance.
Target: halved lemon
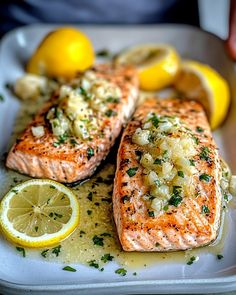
(39, 213)
(157, 64)
(202, 83)
(62, 53)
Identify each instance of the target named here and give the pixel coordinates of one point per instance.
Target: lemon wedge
(202, 83)
(39, 213)
(62, 53)
(157, 64)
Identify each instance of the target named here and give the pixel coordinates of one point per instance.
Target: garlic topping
(169, 149)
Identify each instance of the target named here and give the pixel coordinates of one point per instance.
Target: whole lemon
(62, 53)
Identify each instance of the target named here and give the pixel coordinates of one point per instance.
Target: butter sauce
(96, 226)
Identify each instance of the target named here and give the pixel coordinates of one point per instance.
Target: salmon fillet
(195, 221)
(67, 162)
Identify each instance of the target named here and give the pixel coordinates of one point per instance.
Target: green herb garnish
(107, 257)
(220, 256)
(1, 97)
(93, 263)
(132, 171)
(151, 213)
(113, 99)
(103, 53)
(98, 241)
(56, 250)
(181, 174)
(205, 177)
(121, 271)
(44, 253)
(176, 197)
(192, 162)
(90, 153)
(22, 250)
(158, 161)
(205, 209)
(110, 113)
(199, 129)
(204, 154)
(69, 268)
(191, 260)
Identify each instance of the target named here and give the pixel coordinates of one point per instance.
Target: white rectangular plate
(20, 275)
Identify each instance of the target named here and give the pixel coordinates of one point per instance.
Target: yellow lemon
(62, 53)
(39, 213)
(201, 82)
(157, 64)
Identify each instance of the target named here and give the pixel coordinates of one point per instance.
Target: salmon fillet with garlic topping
(68, 139)
(167, 192)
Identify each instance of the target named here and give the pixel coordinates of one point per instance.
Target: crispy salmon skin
(189, 216)
(72, 159)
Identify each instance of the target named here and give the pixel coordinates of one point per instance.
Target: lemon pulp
(202, 83)
(39, 213)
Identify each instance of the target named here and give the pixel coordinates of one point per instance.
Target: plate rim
(227, 280)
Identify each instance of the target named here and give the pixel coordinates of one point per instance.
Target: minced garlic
(167, 161)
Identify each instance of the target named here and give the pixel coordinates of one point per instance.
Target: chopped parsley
(155, 121)
(158, 161)
(103, 53)
(113, 99)
(205, 209)
(226, 197)
(69, 268)
(192, 162)
(196, 140)
(84, 93)
(132, 171)
(107, 257)
(36, 228)
(56, 250)
(61, 140)
(151, 214)
(157, 245)
(98, 241)
(205, 177)
(73, 142)
(1, 97)
(134, 273)
(110, 113)
(176, 197)
(90, 153)
(204, 154)
(199, 129)
(191, 260)
(181, 174)
(93, 263)
(121, 271)
(165, 208)
(220, 256)
(44, 253)
(22, 250)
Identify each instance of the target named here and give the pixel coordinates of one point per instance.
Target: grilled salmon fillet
(72, 159)
(186, 214)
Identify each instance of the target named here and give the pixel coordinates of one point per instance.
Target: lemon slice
(62, 53)
(39, 213)
(202, 83)
(157, 64)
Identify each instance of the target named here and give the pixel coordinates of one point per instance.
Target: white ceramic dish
(23, 275)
